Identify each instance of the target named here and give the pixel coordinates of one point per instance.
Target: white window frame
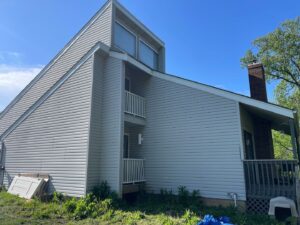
(131, 32)
(153, 49)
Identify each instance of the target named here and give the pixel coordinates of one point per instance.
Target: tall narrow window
(148, 55)
(124, 39)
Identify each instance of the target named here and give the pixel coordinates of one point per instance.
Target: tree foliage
(279, 52)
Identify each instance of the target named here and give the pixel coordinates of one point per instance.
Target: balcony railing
(271, 178)
(135, 104)
(133, 171)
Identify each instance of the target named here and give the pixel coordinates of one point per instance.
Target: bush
(183, 195)
(70, 205)
(58, 197)
(102, 191)
(190, 218)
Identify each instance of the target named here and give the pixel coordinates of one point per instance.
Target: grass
(146, 209)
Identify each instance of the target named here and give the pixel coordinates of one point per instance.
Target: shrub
(183, 195)
(102, 191)
(70, 205)
(57, 197)
(190, 218)
(81, 210)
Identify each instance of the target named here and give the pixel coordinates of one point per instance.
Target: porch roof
(278, 122)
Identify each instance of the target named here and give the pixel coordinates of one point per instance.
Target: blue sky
(204, 39)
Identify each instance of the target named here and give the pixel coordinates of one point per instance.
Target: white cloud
(13, 79)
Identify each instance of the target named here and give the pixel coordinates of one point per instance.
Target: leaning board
(25, 187)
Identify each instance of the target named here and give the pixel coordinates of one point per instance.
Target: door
(126, 146)
(249, 147)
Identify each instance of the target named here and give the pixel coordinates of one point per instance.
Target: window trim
(152, 48)
(129, 31)
(146, 43)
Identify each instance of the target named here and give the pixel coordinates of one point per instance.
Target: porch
(268, 174)
(135, 91)
(133, 171)
(133, 160)
(270, 178)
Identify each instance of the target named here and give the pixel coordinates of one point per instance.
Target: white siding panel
(93, 172)
(191, 138)
(111, 123)
(100, 30)
(54, 138)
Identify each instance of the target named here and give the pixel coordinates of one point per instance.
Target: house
(104, 109)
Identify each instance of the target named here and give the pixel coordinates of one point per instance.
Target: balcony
(135, 105)
(133, 171)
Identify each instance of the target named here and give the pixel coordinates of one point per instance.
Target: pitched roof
(207, 88)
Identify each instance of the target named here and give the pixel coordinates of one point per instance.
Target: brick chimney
(262, 127)
(257, 82)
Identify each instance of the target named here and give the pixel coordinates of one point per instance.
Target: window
(148, 56)
(124, 39)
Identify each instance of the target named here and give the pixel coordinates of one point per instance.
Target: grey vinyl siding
(54, 138)
(191, 138)
(93, 172)
(100, 30)
(111, 123)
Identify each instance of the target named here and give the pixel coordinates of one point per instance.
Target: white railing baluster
(133, 170)
(270, 178)
(135, 104)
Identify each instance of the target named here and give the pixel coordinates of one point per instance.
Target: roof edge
(55, 58)
(99, 46)
(207, 88)
(139, 23)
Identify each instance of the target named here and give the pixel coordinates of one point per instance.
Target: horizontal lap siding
(54, 138)
(100, 30)
(111, 123)
(191, 138)
(93, 173)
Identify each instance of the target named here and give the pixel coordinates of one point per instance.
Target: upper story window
(147, 55)
(124, 39)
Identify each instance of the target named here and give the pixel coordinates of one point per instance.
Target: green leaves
(279, 51)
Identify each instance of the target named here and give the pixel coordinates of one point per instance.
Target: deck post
(293, 138)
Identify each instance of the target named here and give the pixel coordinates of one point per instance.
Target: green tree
(279, 52)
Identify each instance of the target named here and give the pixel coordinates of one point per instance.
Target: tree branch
(282, 145)
(283, 78)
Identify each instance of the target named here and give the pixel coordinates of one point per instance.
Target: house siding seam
(54, 138)
(100, 30)
(191, 138)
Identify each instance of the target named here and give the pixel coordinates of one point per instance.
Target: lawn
(144, 209)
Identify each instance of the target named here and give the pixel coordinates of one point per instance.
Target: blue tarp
(210, 220)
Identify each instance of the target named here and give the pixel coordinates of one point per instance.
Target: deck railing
(133, 171)
(135, 104)
(270, 178)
